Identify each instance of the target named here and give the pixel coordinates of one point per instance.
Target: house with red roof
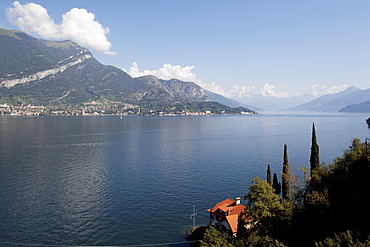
(225, 214)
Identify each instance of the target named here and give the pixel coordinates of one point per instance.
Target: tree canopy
(331, 208)
(336, 199)
(269, 178)
(285, 176)
(314, 158)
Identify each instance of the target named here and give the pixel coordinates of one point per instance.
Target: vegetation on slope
(157, 107)
(331, 208)
(361, 107)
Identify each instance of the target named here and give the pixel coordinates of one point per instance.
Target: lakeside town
(94, 108)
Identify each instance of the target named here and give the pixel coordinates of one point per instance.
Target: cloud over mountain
(169, 71)
(78, 25)
(268, 90)
(318, 90)
(267, 97)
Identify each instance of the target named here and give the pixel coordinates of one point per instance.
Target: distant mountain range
(43, 72)
(361, 107)
(229, 102)
(273, 103)
(61, 73)
(37, 71)
(338, 102)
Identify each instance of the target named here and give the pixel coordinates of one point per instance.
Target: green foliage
(18, 56)
(355, 152)
(314, 158)
(344, 239)
(255, 239)
(272, 218)
(196, 235)
(337, 197)
(214, 238)
(269, 179)
(333, 199)
(349, 180)
(262, 200)
(157, 106)
(285, 176)
(276, 185)
(213, 107)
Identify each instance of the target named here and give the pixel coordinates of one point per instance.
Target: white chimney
(237, 200)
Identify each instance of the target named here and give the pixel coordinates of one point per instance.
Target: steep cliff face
(59, 68)
(175, 89)
(34, 71)
(188, 91)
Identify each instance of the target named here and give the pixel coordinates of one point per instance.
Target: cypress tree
(314, 159)
(276, 185)
(269, 179)
(285, 176)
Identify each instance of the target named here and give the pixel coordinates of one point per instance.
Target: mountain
(41, 72)
(229, 102)
(361, 107)
(272, 103)
(334, 102)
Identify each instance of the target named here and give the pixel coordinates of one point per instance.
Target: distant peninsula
(101, 108)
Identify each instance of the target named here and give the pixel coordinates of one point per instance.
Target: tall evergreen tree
(276, 185)
(314, 158)
(269, 179)
(285, 176)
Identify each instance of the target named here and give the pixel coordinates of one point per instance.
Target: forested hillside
(62, 76)
(361, 107)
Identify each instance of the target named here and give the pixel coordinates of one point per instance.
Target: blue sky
(280, 48)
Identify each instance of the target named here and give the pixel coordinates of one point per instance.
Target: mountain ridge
(229, 102)
(360, 107)
(62, 74)
(46, 62)
(334, 102)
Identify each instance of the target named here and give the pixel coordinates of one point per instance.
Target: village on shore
(94, 108)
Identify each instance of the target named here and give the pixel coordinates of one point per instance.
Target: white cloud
(169, 71)
(78, 25)
(213, 87)
(318, 90)
(268, 90)
(240, 91)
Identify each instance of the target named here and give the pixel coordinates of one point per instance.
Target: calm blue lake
(135, 180)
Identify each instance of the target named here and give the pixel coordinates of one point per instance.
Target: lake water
(135, 180)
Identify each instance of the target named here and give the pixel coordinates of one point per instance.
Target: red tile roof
(233, 223)
(233, 211)
(222, 204)
(228, 205)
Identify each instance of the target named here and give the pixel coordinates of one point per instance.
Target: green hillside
(361, 107)
(61, 74)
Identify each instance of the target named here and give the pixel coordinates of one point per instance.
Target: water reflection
(112, 181)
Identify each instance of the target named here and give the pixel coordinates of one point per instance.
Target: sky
(278, 48)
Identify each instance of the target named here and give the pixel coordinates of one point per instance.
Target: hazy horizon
(237, 49)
